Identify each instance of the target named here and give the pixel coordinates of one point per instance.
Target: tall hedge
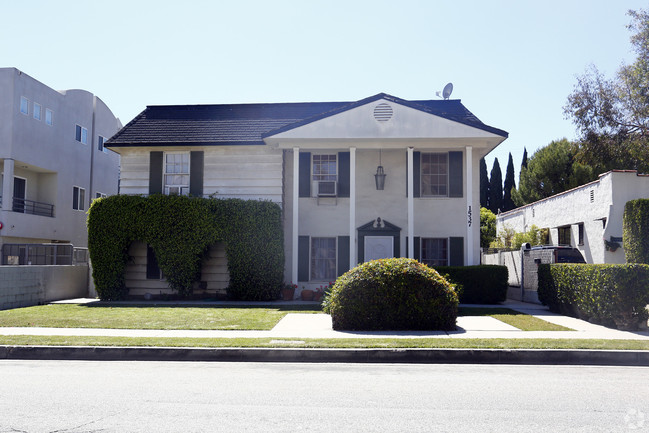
(635, 231)
(180, 230)
(482, 284)
(613, 295)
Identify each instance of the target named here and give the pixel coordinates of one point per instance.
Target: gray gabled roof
(249, 124)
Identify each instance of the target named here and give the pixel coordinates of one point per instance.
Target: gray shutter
(152, 268)
(343, 254)
(455, 174)
(456, 252)
(303, 255)
(305, 174)
(416, 249)
(196, 174)
(416, 170)
(343, 174)
(155, 172)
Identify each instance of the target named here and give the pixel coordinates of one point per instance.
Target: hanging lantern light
(379, 177)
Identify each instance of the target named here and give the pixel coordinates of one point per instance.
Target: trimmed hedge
(612, 295)
(180, 230)
(392, 294)
(635, 231)
(482, 284)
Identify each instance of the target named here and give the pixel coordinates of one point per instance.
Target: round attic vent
(382, 112)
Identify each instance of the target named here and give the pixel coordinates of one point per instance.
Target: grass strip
(522, 321)
(120, 316)
(333, 343)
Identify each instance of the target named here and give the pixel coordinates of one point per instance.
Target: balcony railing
(32, 207)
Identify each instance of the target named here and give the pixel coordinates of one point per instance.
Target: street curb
(405, 356)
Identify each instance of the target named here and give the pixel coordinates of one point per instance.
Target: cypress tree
(508, 203)
(484, 184)
(524, 161)
(496, 188)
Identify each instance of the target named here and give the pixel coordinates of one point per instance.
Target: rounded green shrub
(392, 294)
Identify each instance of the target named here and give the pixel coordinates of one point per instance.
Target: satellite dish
(448, 89)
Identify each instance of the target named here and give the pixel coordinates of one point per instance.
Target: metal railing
(43, 254)
(32, 207)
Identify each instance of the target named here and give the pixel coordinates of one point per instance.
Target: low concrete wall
(22, 286)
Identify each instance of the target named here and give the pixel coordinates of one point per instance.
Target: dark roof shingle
(249, 123)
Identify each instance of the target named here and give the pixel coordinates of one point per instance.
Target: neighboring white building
(588, 217)
(52, 160)
(319, 161)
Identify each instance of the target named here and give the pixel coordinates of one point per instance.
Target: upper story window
(324, 167)
(24, 105)
(176, 173)
(434, 174)
(81, 134)
(37, 111)
(49, 117)
(100, 144)
(325, 175)
(78, 198)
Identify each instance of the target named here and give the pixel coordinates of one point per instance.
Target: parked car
(562, 254)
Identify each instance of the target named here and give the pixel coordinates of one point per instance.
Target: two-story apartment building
(53, 162)
(375, 178)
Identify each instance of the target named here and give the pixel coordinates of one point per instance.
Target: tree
(487, 227)
(612, 115)
(496, 188)
(510, 183)
(484, 184)
(552, 169)
(524, 161)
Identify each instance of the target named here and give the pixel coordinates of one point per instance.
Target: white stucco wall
(591, 204)
(50, 159)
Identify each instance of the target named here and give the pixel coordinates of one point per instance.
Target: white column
(296, 203)
(473, 215)
(352, 208)
(8, 184)
(411, 205)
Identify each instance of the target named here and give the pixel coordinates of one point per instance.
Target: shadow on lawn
(214, 305)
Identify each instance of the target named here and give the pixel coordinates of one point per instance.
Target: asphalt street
(96, 396)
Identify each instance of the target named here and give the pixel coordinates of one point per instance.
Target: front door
(379, 247)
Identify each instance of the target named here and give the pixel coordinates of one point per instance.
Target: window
(100, 144)
(24, 105)
(564, 235)
(81, 134)
(100, 195)
(176, 173)
(581, 233)
(324, 167)
(434, 175)
(323, 259)
(37, 111)
(153, 271)
(49, 119)
(78, 197)
(434, 251)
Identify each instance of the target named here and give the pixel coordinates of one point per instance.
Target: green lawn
(121, 316)
(124, 316)
(339, 343)
(519, 320)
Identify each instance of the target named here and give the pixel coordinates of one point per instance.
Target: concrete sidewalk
(296, 325)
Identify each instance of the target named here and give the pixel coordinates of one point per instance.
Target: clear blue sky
(512, 63)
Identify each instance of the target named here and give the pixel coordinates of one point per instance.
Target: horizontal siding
(214, 273)
(247, 172)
